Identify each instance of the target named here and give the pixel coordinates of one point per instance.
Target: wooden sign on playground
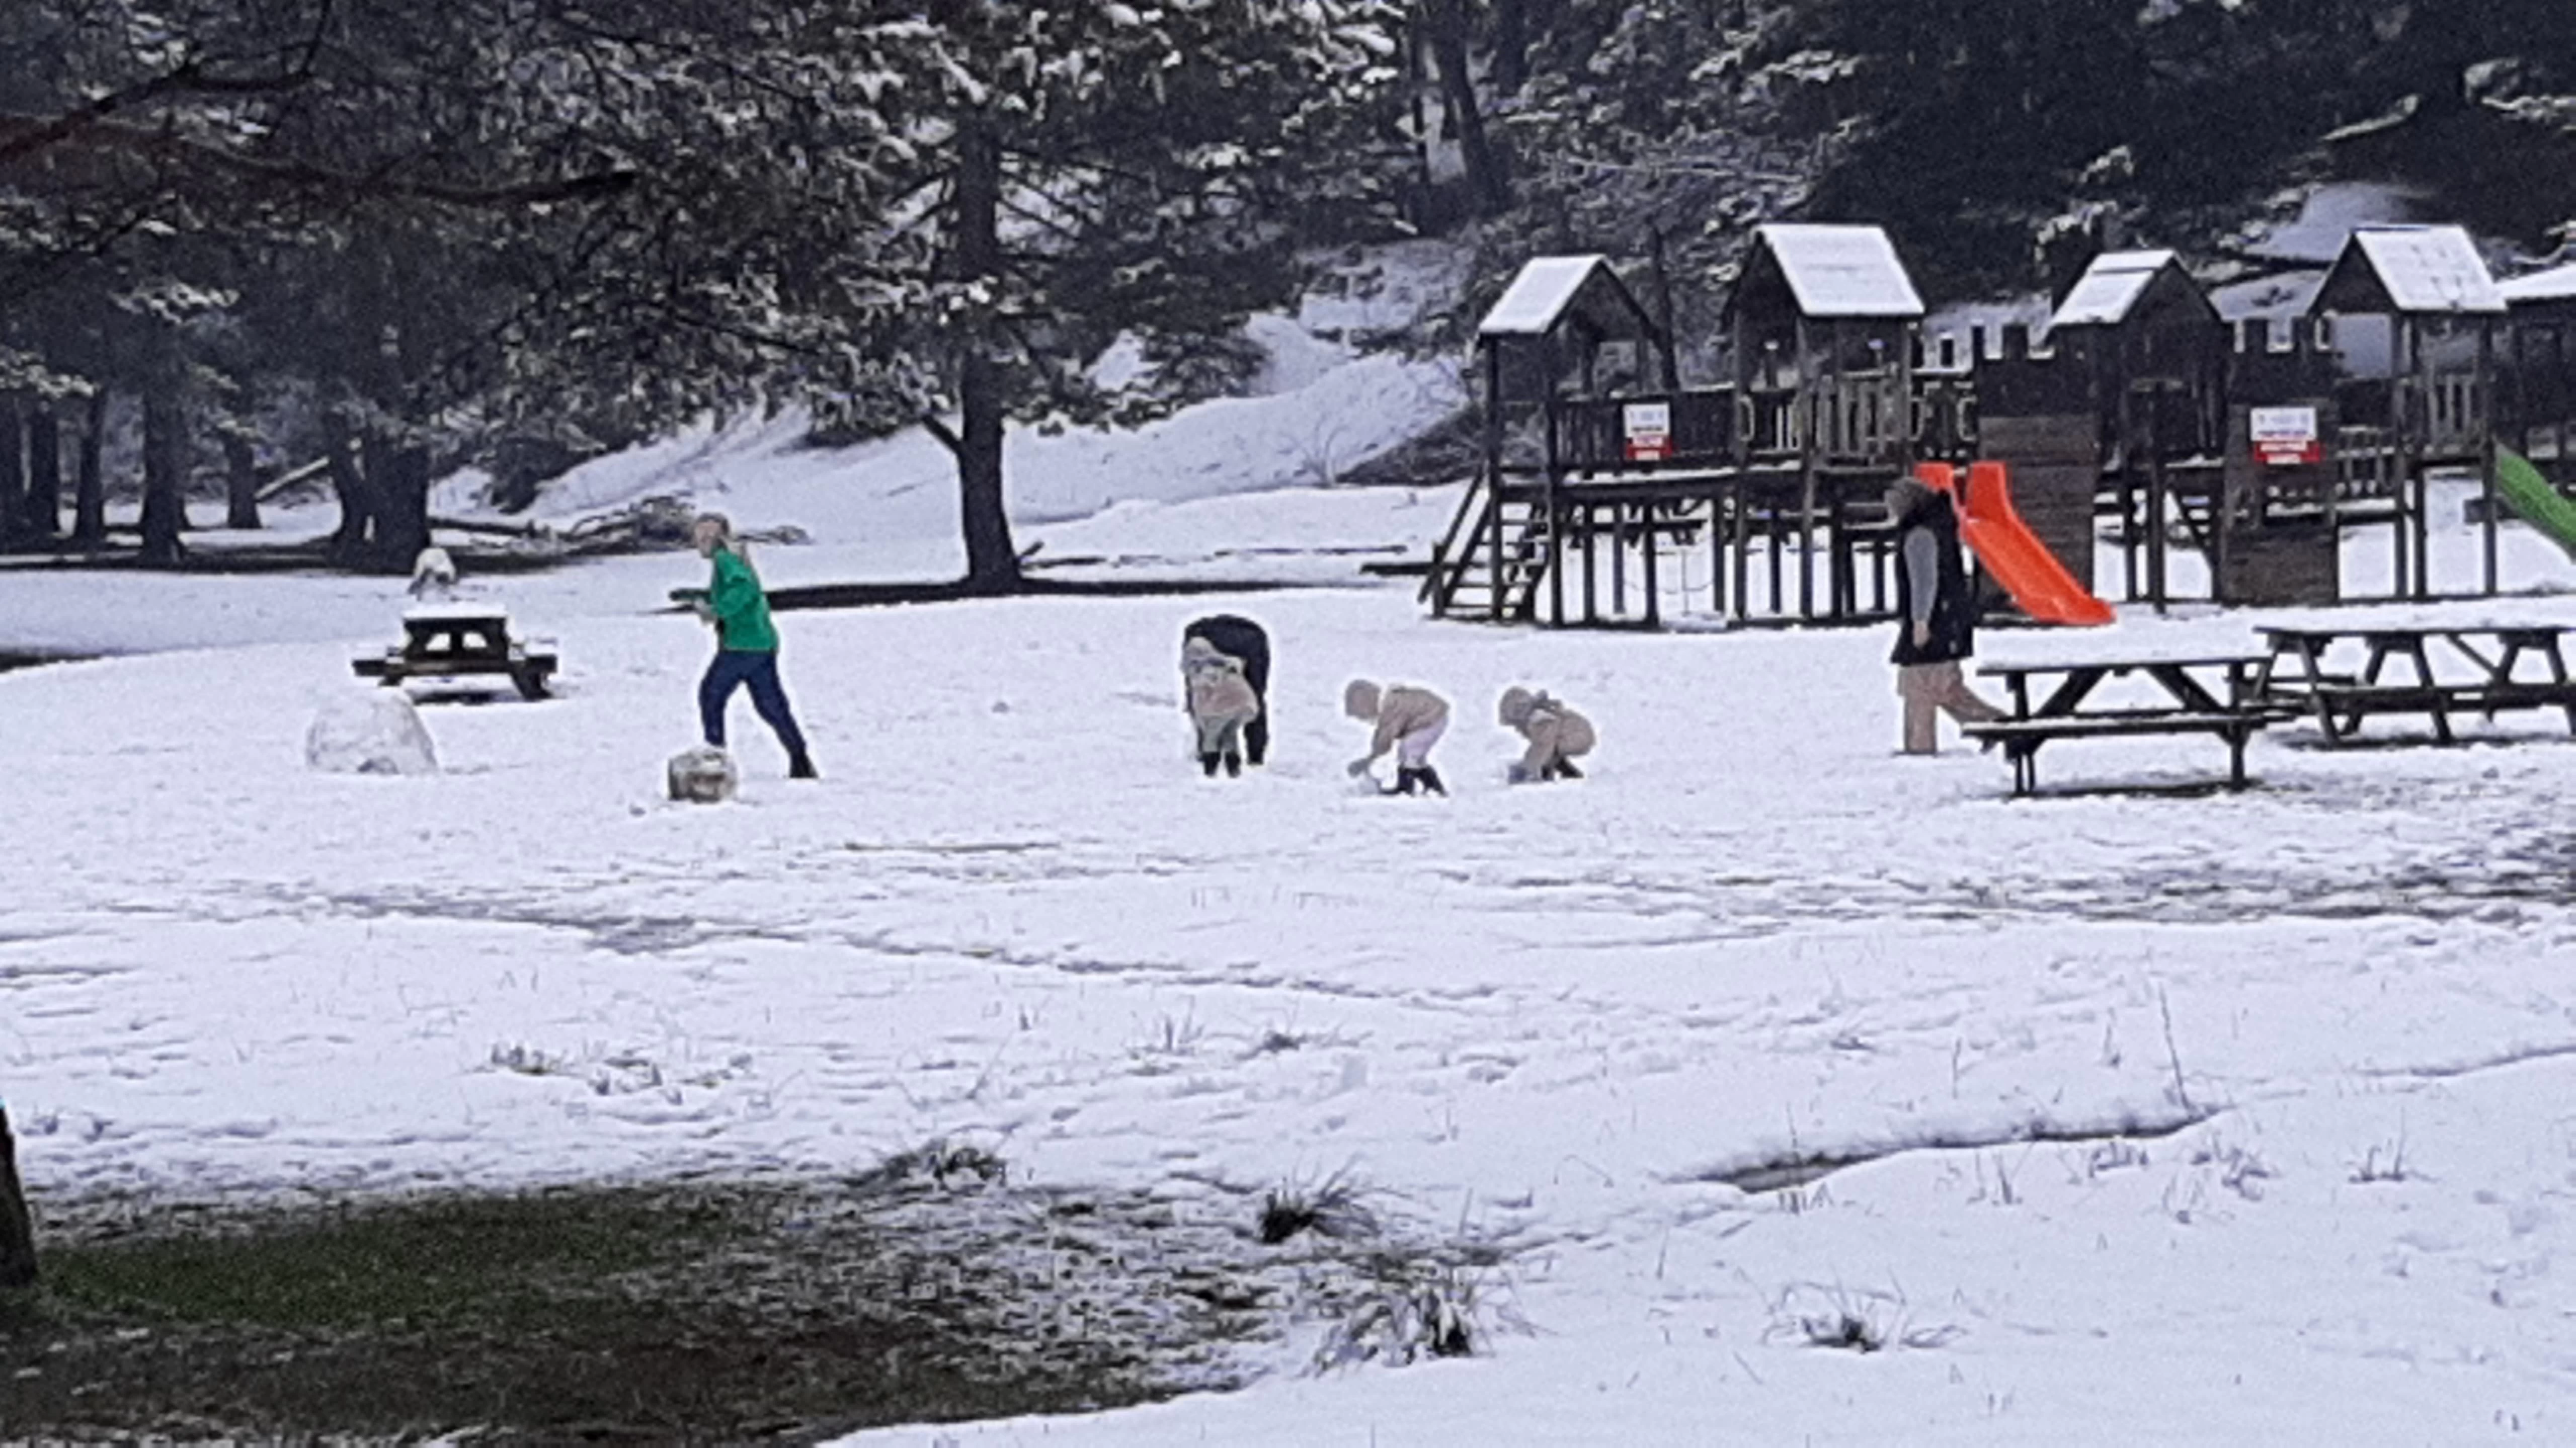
(2286, 437)
(1648, 427)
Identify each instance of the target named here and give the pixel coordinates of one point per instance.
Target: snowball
(372, 733)
(703, 775)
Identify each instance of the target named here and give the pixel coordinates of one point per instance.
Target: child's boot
(1565, 770)
(1406, 780)
(1234, 766)
(1429, 778)
(1207, 765)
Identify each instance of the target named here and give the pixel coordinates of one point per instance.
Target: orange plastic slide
(2009, 551)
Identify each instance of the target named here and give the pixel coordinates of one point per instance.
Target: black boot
(1429, 778)
(1565, 770)
(1234, 766)
(799, 766)
(1405, 781)
(1207, 765)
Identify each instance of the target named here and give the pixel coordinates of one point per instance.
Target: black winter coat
(1954, 601)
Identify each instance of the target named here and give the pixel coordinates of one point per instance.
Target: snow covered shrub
(941, 1161)
(1414, 1310)
(1329, 1208)
(378, 732)
(703, 775)
(1862, 1322)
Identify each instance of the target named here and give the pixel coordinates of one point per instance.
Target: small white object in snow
(377, 732)
(703, 775)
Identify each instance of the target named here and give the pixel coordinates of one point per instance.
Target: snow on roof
(2427, 268)
(1842, 271)
(2558, 284)
(2109, 288)
(1538, 297)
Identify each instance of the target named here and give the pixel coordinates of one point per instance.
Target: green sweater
(741, 609)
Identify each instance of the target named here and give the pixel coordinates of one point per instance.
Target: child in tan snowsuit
(1222, 701)
(1556, 734)
(1409, 721)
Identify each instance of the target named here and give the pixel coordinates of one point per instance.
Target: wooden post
(1810, 438)
(1654, 601)
(1591, 564)
(2482, 397)
(17, 1229)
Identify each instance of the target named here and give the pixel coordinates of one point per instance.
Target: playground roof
(2111, 288)
(2558, 284)
(1837, 271)
(1550, 289)
(2411, 271)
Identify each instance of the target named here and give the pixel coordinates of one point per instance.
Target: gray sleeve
(1922, 572)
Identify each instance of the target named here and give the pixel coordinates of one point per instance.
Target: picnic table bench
(451, 641)
(2213, 695)
(2481, 677)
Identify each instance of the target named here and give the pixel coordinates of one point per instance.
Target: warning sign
(2286, 437)
(1648, 427)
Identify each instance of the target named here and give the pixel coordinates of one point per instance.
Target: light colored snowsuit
(1221, 700)
(1409, 720)
(1555, 733)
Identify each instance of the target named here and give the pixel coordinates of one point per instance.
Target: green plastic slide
(2535, 499)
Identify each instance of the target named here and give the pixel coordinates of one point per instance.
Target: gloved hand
(1359, 767)
(1519, 773)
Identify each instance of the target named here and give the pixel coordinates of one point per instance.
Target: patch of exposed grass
(629, 1315)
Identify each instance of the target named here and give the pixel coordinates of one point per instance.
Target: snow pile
(703, 775)
(377, 732)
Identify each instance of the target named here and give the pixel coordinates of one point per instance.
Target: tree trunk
(400, 480)
(17, 1228)
(992, 564)
(1488, 166)
(14, 522)
(1511, 45)
(44, 471)
(349, 486)
(89, 485)
(241, 482)
(165, 462)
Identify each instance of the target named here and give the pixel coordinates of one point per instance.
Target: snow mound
(372, 733)
(703, 775)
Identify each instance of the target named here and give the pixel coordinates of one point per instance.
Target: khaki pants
(1930, 688)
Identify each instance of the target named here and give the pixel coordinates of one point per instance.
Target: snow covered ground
(1550, 1018)
(2199, 1118)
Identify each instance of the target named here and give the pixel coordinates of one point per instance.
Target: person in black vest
(1242, 639)
(1937, 616)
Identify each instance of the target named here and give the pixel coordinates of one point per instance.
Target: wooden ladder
(1470, 579)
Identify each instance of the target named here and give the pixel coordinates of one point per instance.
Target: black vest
(1954, 607)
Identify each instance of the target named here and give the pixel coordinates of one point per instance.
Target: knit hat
(1360, 699)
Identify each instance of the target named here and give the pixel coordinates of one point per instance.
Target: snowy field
(2310, 1046)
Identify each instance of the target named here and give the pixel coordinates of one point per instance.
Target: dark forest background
(365, 242)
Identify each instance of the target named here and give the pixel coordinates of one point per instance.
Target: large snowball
(372, 733)
(704, 775)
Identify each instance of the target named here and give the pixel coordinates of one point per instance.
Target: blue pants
(734, 668)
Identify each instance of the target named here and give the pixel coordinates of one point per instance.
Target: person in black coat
(1242, 639)
(1937, 616)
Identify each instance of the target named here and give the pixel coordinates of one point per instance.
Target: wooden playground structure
(1611, 495)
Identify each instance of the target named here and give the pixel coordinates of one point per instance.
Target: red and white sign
(2286, 437)
(1648, 427)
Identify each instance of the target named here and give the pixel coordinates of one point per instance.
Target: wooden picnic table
(2479, 673)
(2213, 694)
(449, 641)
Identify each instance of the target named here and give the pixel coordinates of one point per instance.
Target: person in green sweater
(746, 644)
